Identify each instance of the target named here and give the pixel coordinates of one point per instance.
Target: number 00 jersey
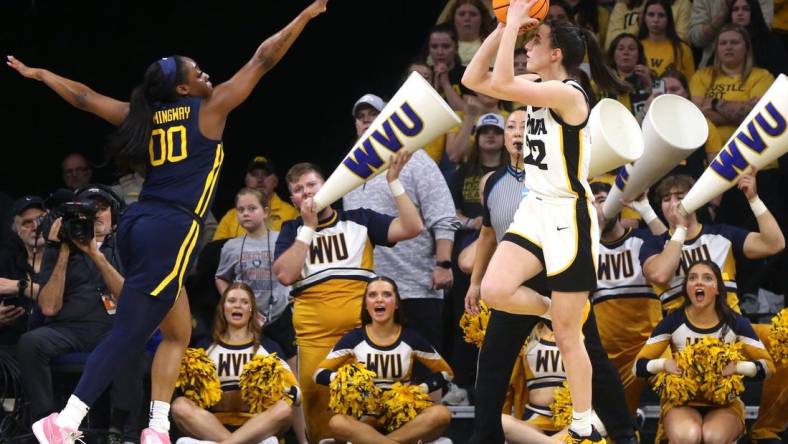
(557, 164)
(183, 165)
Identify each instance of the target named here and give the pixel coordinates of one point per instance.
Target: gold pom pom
(401, 403)
(353, 391)
(197, 378)
(474, 326)
(702, 364)
(262, 383)
(779, 338)
(562, 406)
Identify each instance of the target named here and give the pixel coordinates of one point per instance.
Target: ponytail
(573, 41)
(130, 141)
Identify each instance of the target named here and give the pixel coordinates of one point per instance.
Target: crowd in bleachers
(59, 296)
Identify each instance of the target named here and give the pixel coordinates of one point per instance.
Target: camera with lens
(77, 221)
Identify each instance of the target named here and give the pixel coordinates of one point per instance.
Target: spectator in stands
(626, 56)
(83, 279)
(627, 17)
(236, 339)
(708, 17)
(666, 258)
(460, 140)
(19, 268)
(422, 264)
(768, 50)
(327, 257)
(260, 174)
(704, 314)
(441, 53)
(662, 47)
(520, 63)
(559, 10)
(382, 336)
(249, 259)
(728, 90)
(472, 22)
(76, 170)
(590, 15)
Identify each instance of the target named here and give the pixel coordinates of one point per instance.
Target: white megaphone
(416, 115)
(759, 140)
(615, 137)
(672, 129)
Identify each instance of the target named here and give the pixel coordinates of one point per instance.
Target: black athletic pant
(506, 333)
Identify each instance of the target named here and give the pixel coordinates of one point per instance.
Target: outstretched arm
(77, 94)
(233, 92)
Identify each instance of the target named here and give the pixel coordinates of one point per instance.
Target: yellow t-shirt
(730, 89)
(713, 142)
(609, 178)
(281, 211)
(660, 57)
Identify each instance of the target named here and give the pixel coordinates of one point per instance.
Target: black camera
(77, 221)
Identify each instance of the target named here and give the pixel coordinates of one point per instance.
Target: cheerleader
(388, 348)
(236, 341)
(706, 313)
(544, 372)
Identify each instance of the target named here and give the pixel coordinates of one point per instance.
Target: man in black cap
(19, 266)
(78, 300)
(260, 175)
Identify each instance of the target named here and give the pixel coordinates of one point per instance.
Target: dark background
(300, 111)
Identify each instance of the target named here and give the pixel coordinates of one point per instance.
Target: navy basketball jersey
(183, 165)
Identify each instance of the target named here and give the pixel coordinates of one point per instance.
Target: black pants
(36, 350)
(506, 333)
(425, 315)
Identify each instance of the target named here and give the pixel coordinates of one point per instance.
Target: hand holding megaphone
(396, 164)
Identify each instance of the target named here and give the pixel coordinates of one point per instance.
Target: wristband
(746, 368)
(645, 210)
(655, 366)
(679, 235)
(305, 235)
(757, 206)
(396, 188)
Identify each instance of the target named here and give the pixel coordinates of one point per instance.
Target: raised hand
(397, 162)
(316, 8)
(21, 68)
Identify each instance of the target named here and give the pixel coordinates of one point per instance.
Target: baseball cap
(489, 119)
(369, 100)
(261, 163)
(23, 203)
(92, 192)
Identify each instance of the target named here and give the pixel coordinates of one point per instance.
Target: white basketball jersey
(557, 164)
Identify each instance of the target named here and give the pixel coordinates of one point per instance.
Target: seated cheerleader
(384, 346)
(544, 372)
(235, 342)
(704, 314)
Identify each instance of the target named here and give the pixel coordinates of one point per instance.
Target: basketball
(538, 10)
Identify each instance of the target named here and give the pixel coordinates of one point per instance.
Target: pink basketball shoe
(47, 432)
(150, 436)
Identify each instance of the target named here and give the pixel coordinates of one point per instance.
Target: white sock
(159, 416)
(598, 424)
(581, 422)
(547, 314)
(72, 415)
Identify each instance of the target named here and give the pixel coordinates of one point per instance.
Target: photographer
(19, 267)
(82, 275)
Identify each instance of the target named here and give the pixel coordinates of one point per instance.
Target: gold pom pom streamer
(779, 338)
(702, 364)
(474, 326)
(401, 403)
(353, 391)
(562, 406)
(262, 383)
(197, 378)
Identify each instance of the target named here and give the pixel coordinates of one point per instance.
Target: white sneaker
(189, 440)
(441, 440)
(270, 440)
(455, 395)
(597, 423)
